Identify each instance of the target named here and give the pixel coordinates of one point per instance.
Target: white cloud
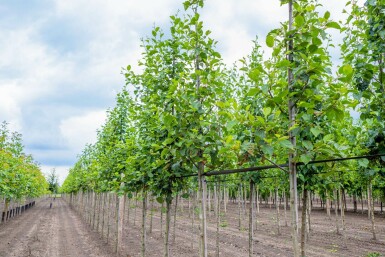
(61, 171)
(81, 130)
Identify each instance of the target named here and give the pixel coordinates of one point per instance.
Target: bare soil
(60, 231)
(323, 241)
(45, 232)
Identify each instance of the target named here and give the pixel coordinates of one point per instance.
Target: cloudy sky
(61, 60)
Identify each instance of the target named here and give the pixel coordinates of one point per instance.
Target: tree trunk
(192, 221)
(108, 216)
(94, 195)
(218, 208)
(371, 204)
(336, 211)
(122, 200)
(303, 224)
(151, 212)
(239, 208)
(225, 199)
(167, 229)
(251, 218)
(277, 210)
(362, 201)
(308, 209)
(209, 201)
(257, 199)
(144, 214)
(6, 206)
(368, 202)
(284, 207)
(175, 212)
(344, 199)
(202, 214)
(292, 165)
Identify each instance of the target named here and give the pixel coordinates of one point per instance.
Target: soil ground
(60, 231)
(323, 239)
(45, 232)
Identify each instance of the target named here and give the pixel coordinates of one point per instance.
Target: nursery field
(355, 240)
(62, 231)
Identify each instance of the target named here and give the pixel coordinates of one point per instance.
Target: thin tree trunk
(277, 210)
(336, 211)
(303, 224)
(225, 199)
(136, 205)
(368, 203)
(362, 201)
(257, 199)
(116, 223)
(328, 206)
(209, 201)
(371, 204)
(144, 214)
(308, 209)
(284, 206)
(192, 221)
(251, 218)
(151, 212)
(94, 197)
(108, 216)
(167, 229)
(218, 208)
(99, 207)
(122, 200)
(103, 212)
(292, 165)
(161, 219)
(239, 208)
(202, 214)
(175, 212)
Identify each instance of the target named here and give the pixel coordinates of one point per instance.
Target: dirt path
(44, 232)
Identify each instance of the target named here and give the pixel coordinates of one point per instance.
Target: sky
(61, 60)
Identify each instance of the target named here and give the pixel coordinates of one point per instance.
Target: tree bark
(292, 138)
(336, 211)
(218, 209)
(303, 226)
(151, 212)
(251, 218)
(175, 212)
(277, 211)
(239, 208)
(371, 204)
(144, 214)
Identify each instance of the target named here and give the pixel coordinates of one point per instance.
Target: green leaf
(267, 149)
(266, 111)
(286, 143)
(346, 70)
(315, 131)
(363, 162)
(253, 91)
(168, 141)
(299, 20)
(327, 15)
(333, 25)
(160, 199)
(305, 158)
(307, 144)
(270, 40)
